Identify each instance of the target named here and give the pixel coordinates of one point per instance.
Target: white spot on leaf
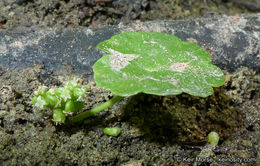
(119, 60)
(179, 67)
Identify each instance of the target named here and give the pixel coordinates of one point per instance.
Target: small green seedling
(140, 62)
(213, 138)
(112, 131)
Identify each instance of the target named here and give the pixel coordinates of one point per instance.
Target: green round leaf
(155, 63)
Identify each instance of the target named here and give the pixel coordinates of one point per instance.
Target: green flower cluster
(63, 101)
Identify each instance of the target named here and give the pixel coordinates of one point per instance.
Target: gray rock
(232, 41)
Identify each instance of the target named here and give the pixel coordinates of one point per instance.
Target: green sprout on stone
(138, 62)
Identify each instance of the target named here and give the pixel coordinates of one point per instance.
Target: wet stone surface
(231, 41)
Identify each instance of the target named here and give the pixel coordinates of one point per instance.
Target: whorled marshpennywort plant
(137, 62)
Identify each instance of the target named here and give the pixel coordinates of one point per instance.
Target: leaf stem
(95, 110)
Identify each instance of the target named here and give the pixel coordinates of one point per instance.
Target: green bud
(58, 91)
(51, 91)
(79, 93)
(71, 84)
(112, 131)
(51, 99)
(213, 138)
(70, 107)
(40, 102)
(59, 116)
(65, 94)
(40, 91)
